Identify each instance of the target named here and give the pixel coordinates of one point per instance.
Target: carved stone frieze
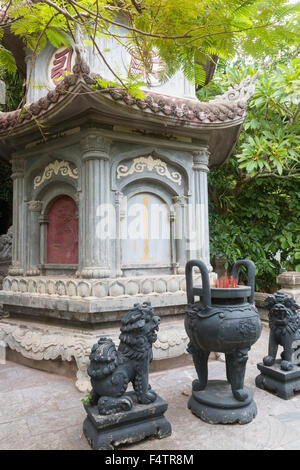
(119, 287)
(171, 342)
(138, 165)
(46, 343)
(54, 168)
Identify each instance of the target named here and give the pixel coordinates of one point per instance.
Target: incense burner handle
(205, 282)
(251, 275)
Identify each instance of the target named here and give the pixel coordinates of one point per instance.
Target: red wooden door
(62, 234)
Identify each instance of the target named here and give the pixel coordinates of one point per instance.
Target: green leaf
(7, 60)
(58, 37)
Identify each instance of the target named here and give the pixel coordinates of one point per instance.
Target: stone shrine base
(142, 421)
(52, 318)
(283, 383)
(65, 349)
(216, 404)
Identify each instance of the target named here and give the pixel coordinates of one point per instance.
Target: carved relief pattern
(55, 168)
(117, 287)
(139, 164)
(50, 344)
(35, 206)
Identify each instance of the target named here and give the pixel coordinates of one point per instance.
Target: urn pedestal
(217, 405)
(224, 320)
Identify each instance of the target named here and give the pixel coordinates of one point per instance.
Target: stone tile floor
(39, 410)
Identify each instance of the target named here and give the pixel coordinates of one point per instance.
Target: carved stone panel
(53, 169)
(62, 233)
(148, 231)
(140, 164)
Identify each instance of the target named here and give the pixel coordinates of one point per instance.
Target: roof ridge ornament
(243, 91)
(81, 59)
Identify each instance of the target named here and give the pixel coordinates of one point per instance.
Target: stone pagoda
(109, 203)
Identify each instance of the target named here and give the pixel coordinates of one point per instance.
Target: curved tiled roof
(181, 110)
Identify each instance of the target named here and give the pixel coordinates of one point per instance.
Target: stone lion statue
(284, 328)
(6, 244)
(111, 369)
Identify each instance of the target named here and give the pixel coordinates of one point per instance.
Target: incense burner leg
(200, 359)
(235, 369)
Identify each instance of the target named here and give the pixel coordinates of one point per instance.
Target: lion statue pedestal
(281, 376)
(115, 417)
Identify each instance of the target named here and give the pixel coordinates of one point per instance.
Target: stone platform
(61, 317)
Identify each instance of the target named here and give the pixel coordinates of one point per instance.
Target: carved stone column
(43, 220)
(174, 263)
(118, 237)
(180, 203)
(17, 267)
(33, 242)
(199, 212)
(95, 212)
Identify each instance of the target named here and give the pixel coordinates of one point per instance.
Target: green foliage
(272, 132)
(87, 399)
(184, 33)
(38, 23)
(7, 60)
(13, 83)
(14, 94)
(260, 223)
(132, 87)
(255, 196)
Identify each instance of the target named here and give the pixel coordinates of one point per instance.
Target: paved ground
(39, 410)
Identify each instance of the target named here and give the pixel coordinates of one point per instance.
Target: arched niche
(148, 233)
(147, 228)
(54, 190)
(62, 231)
